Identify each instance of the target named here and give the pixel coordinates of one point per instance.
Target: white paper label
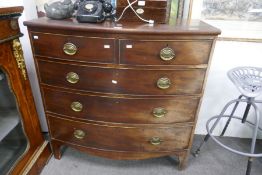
(129, 46)
(141, 3)
(35, 37)
(114, 81)
(107, 46)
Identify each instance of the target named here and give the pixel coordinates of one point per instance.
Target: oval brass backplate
(163, 83)
(167, 54)
(79, 134)
(159, 112)
(70, 49)
(155, 141)
(76, 106)
(72, 77)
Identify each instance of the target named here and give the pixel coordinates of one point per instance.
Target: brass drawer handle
(76, 106)
(159, 112)
(155, 141)
(167, 54)
(70, 49)
(72, 77)
(79, 134)
(163, 83)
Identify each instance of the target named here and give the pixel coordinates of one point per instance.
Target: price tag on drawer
(106, 46)
(141, 3)
(129, 46)
(35, 37)
(114, 81)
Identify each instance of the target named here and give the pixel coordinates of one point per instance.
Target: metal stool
(248, 81)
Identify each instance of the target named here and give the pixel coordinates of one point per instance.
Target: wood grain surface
(118, 88)
(88, 49)
(178, 27)
(123, 138)
(121, 110)
(159, 15)
(187, 52)
(148, 3)
(122, 81)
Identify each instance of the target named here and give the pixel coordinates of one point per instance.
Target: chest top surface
(178, 27)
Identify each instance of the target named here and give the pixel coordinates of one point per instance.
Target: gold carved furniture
(23, 150)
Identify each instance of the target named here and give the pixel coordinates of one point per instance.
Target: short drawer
(122, 81)
(119, 138)
(9, 27)
(148, 3)
(164, 52)
(121, 110)
(97, 50)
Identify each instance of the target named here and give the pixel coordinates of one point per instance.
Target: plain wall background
(219, 90)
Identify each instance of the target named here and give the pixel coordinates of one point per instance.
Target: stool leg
(246, 112)
(196, 153)
(253, 145)
(231, 115)
(254, 138)
(249, 165)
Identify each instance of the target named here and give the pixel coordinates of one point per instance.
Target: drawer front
(121, 110)
(122, 81)
(148, 3)
(161, 15)
(164, 52)
(9, 27)
(120, 138)
(74, 48)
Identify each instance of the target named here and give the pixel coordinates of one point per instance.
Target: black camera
(93, 10)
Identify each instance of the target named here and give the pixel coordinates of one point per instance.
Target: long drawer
(121, 110)
(177, 52)
(120, 138)
(97, 50)
(122, 81)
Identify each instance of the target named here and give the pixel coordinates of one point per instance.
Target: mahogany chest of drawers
(129, 91)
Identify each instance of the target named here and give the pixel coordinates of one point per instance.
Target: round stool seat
(248, 80)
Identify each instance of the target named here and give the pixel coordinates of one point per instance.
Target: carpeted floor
(213, 160)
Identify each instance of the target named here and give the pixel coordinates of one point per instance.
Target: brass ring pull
(72, 77)
(159, 112)
(76, 106)
(70, 49)
(167, 54)
(79, 134)
(155, 141)
(163, 83)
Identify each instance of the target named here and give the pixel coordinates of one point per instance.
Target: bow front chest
(122, 91)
